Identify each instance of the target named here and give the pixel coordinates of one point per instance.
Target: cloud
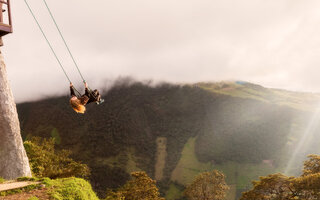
(273, 43)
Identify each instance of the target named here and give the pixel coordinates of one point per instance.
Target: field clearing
(238, 175)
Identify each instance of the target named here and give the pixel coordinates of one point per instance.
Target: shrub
(70, 188)
(45, 161)
(207, 185)
(141, 187)
(2, 180)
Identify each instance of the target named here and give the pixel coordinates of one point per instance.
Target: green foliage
(271, 187)
(174, 191)
(238, 175)
(312, 166)
(45, 161)
(33, 198)
(2, 180)
(279, 186)
(59, 189)
(296, 100)
(226, 120)
(70, 189)
(189, 166)
(55, 134)
(25, 178)
(141, 187)
(207, 185)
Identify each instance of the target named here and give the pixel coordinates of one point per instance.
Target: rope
(65, 43)
(44, 35)
(54, 53)
(79, 94)
(53, 19)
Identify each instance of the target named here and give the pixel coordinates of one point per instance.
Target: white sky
(275, 43)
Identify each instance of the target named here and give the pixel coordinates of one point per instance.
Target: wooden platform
(16, 185)
(5, 29)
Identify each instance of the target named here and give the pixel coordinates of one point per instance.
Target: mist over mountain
(173, 132)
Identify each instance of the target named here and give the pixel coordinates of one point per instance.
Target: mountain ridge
(230, 121)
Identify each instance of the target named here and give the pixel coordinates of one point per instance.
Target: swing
(96, 96)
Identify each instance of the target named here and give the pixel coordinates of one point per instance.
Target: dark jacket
(92, 95)
(84, 99)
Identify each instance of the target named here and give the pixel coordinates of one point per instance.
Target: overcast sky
(275, 43)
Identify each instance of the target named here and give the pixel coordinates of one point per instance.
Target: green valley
(174, 132)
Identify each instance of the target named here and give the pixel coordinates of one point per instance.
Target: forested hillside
(174, 132)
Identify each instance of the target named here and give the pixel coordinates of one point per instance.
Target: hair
(77, 105)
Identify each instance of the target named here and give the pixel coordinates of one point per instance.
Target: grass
(232, 193)
(55, 134)
(296, 100)
(189, 166)
(238, 175)
(125, 160)
(58, 189)
(173, 193)
(242, 174)
(235, 90)
(131, 163)
(26, 178)
(2, 180)
(33, 198)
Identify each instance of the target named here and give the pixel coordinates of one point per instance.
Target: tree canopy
(45, 161)
(207, 186)
(279, 186)
(141, 187)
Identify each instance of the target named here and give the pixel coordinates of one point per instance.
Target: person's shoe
(100, 101)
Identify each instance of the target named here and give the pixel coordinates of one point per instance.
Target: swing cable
(52, 50)
(64, 41)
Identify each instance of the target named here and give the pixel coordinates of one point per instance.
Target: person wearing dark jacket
(78, 102)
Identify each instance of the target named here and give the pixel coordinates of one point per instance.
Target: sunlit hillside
(297, 100)
(174, 132)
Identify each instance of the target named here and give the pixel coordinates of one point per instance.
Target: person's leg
(96, 95)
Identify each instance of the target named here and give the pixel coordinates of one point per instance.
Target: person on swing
(78, 102)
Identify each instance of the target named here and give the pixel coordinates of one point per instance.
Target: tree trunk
(13, 158)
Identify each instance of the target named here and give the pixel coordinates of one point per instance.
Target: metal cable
(53, 19)
(44, 35)
(54, 53)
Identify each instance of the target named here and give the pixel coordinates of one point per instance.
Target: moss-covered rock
(70, 189)
(58, 189)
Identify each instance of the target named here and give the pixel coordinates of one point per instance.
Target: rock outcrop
(13, 158)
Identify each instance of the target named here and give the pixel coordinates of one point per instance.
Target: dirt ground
(40, 193)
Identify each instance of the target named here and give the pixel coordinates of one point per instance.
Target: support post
(13, 158)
